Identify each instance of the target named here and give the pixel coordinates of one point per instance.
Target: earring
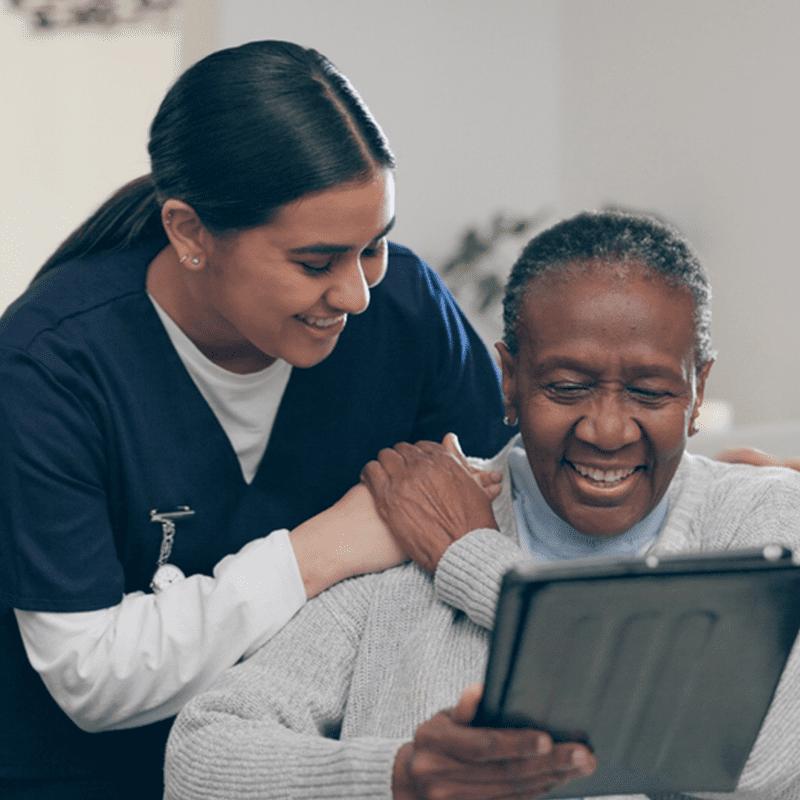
(183, 259)
(507, 421)
(195, 260)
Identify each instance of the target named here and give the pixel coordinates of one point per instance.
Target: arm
(141, 660)
(266, 722)
(757, 507)
(272, 724)
(114, 660)
(756, 458)
(427, 496)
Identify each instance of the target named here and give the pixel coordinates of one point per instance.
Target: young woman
(195, 368)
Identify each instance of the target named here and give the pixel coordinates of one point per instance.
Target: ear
(508, 364)
(188, 236)
(700, 388)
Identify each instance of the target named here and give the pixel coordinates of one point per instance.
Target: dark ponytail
(241, 133)
(131, 214)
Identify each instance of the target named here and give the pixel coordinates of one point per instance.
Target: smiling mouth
(321, 323)
(604, 478)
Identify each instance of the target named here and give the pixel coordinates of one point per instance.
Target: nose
(349, 291)
(608, 423)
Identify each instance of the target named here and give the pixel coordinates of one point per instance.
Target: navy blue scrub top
(100, 422)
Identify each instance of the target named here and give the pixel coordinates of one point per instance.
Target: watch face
(165, 576)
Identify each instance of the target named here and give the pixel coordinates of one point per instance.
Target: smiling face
(604, 385)
(283, 289)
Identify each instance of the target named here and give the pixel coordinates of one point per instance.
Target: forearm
(469, 574)
(345, 540)
(270, 726)
(140, 661)
(227, 759)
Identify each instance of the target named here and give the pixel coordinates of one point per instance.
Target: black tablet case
(665, 668)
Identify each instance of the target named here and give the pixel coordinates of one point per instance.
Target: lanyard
(166, 574)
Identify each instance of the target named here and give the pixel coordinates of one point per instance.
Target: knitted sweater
(322, 708)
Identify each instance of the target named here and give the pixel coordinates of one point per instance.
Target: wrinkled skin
(450, 759)
(429, 496)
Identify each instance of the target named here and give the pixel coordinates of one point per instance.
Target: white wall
(466, 91)
(684, 107)
(690, 108)
(76, 109)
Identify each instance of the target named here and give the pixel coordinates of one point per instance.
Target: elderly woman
(605, 358)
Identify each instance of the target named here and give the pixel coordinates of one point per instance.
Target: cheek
(545, 426)
(668, 433)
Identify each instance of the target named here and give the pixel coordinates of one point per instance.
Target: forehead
(613, 313)
(361, 207)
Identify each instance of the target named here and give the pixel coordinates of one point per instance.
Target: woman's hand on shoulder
(429, 496)
(756, 458)
(347, 539)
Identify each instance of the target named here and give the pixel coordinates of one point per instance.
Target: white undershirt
(245, 405)
(141, 660)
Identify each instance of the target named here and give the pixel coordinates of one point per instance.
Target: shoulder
(72, 292)
(738, 505)
(738, 482)
(410, 283)
(499, 461)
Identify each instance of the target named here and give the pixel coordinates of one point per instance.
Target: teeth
(607, 476)
(321, 322)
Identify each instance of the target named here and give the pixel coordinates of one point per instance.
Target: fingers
(564, 759)
(467, 705)
(453, 446)
(433, 773)
(444, 735)
(747, 455)
(375, 477)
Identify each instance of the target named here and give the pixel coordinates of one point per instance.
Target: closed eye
(647, 395)
(316, 269)
(375, 249)
(565, 392)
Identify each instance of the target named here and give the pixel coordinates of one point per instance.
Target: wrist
(317, 558)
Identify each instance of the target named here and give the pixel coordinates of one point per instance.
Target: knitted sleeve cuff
(469, 573)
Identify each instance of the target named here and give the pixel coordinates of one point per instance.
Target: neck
(174, 290)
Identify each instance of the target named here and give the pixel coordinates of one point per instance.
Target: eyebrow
(323, 247)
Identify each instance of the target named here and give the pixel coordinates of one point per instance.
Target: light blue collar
(549, 538)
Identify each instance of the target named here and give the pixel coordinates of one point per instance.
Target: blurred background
(504, 116)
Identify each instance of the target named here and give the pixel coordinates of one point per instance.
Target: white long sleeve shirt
(141, 660)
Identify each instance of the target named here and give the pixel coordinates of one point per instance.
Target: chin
(307, 360)
(602, 528)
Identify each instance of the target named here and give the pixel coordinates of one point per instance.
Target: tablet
(664, 667)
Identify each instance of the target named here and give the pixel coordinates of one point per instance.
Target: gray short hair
(606, 238)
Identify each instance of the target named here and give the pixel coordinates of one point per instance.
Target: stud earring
(183, 259)
(195, 260)
(507, 421)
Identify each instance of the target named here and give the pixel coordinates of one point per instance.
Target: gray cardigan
(321, 709)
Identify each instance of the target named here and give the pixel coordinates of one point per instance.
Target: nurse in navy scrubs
(190, 387)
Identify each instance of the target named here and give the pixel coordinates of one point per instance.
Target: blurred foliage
(484, 257)
(68, 13)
